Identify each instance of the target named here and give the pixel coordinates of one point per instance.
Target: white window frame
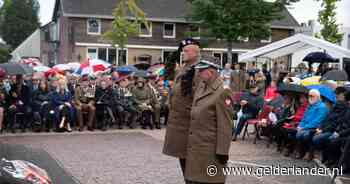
(174, 30)
(88, 25)
(127, 54)
(166, 50)
(269, 40)
(87, 52)
(221, 56)
(146, 35)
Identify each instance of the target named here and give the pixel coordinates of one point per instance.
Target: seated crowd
(299, 123)
(68, 103)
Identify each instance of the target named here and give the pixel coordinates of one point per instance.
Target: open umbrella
(320, 57)
(291, 89)
(326, 92)
(336, 75)
(17, 69)
(126, 69)
(92, 66)
(156, 69)
(142, 73)
(142, 65)
(41, 68)
(62, 67)
(315, 80)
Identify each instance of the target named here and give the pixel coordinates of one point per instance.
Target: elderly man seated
(331, 122)
(314, 115)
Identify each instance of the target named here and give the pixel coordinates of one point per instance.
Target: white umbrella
(74, 65)
(41, 68)
(62, 67)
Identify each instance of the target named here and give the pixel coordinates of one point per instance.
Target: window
(144, 32)
(92, 53)
(93, 26)
(223, 57)
(102, 54)
(105, 54)
(169, 30)
(112, 56)
(267, 40)
(166, 54)
(122, 57)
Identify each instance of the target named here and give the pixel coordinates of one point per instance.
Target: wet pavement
(134, 157)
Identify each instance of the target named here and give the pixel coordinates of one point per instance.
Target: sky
(303, 11)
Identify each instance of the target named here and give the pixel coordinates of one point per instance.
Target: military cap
(207, 62)
(85, 78)
(188, 41)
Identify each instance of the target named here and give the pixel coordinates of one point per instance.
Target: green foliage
(4, 55)
(234, 20)
(327, 18)
(18, 20)
(124, 26)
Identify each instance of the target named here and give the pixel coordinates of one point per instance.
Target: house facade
(81, 23)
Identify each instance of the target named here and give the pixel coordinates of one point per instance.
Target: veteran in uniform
(210, 128)
(84, 102)
(180, 102)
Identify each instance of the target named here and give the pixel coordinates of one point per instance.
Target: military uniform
(104, 102)
(84, 101)
(125, 105)
(146, 101)
(210, 131)
(175, 143)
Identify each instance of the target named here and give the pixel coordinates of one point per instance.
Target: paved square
(135, 157)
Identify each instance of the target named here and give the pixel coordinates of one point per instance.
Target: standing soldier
(84, 102)
(180, 102)
(209, 137)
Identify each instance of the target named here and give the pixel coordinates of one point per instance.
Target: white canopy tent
(292, 45)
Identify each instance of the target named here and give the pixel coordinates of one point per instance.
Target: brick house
(80, 24)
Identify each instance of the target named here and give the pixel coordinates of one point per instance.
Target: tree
(18, 20)
(234, 21)
(4, 55)
(123, 26)
(327, 18)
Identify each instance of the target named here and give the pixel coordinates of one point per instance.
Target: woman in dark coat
(41, 105)
(61, 100)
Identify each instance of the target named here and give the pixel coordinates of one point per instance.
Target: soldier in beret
(209, 137)
(180, 102)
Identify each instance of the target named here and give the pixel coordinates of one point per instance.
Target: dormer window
(94, 26)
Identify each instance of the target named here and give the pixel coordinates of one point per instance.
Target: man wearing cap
(145, 101)
(84, 101)
(210, 128)
(180, 103)
(125, 103)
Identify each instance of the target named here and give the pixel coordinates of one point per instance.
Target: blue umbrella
(320, 57)
(127, 69)
(326, 92)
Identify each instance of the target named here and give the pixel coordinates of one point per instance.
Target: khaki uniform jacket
(179, 117)
(210, 132)
(238, 81)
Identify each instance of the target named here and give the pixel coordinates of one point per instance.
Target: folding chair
(263, 114)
